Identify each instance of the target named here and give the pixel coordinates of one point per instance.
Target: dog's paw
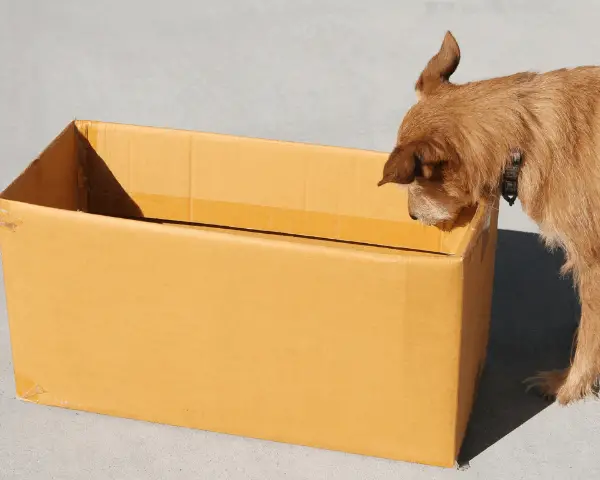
(548, 384)
(573, 391)
(557, 384)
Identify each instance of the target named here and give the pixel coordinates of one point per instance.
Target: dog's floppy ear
(405, 163)
(440, 67)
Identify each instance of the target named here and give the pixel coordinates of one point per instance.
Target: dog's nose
(412, 216)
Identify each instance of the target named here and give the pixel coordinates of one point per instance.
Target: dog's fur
(455, 142)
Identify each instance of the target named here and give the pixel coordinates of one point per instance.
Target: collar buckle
(510, 178)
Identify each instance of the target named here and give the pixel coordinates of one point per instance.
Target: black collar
(510, 178)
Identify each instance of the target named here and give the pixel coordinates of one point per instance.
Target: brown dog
(455, 145)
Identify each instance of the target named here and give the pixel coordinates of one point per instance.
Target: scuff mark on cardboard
(7, 222)
(33, 393)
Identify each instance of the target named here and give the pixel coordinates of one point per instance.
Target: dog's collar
(510, 178)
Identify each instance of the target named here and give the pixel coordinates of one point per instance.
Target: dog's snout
(412, 216)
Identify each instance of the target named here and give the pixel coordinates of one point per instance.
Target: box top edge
(245, 138)
(359, 248)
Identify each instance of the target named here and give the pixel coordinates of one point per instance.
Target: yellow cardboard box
(244, 286)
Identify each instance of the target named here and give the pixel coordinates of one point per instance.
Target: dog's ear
(408, 162)
(439, 68)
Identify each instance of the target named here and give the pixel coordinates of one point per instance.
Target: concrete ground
(337, 72)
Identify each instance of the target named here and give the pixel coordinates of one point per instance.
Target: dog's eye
(437, 172)
(418, 165)
(428, 171)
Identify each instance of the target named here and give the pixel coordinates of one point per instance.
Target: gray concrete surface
(332, 72)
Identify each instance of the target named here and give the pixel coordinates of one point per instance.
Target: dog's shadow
(534, 317)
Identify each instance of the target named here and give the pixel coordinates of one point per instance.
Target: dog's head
(426, 156)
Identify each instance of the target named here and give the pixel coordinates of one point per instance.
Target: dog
(458, 143)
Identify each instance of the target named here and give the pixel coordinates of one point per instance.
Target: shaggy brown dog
(455, 144)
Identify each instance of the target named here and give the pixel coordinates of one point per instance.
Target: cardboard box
(244, 286)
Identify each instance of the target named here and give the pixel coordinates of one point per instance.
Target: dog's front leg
(581, 379)
(584, 373)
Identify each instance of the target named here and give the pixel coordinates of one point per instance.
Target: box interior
(221, 181)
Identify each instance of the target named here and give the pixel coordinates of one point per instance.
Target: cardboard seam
(83, 188)
(191, 178)
(129, 165)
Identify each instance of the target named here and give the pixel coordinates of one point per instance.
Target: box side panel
(478, 281)
(250, 183)
(52, 180)
(310, 345)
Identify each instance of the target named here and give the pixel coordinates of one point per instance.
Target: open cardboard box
(244, 286)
